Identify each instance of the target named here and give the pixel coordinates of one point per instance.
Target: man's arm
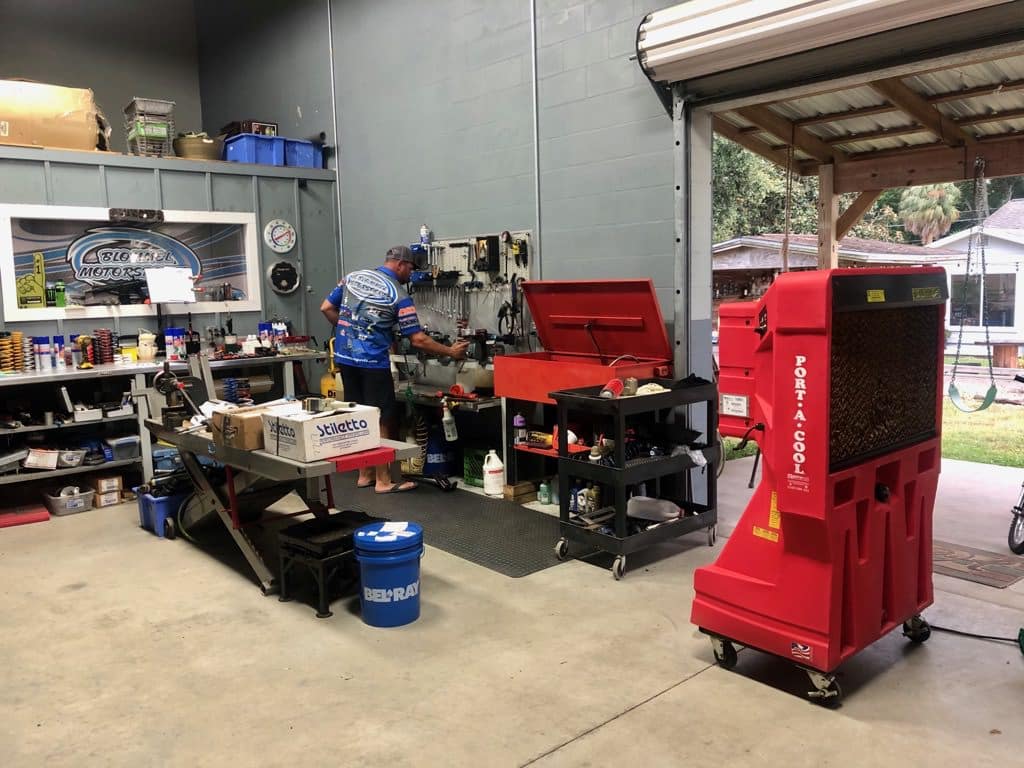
(330, 305)
(420, 340)
(330, 312)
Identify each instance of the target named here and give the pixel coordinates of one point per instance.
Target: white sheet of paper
(170, 285)
(392, 527)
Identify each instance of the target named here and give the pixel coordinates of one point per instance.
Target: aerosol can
(330, 382)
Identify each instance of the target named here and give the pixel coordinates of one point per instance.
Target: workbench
(245, 469)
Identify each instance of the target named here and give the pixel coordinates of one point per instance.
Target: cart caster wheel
(916, 630)
(826, 689)
(170, 528)
(619, 567)
(562, 549)
(832, 696)
(725, 653)
(712, 535)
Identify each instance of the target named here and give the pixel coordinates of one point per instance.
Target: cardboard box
(42, 115)
(313, 436)
(242, 428)
(108, 499)
(106, 484)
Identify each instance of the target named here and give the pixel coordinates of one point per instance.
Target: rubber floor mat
(494, 533)
(977, 565)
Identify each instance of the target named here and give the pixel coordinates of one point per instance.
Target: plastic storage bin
(129, 447)
(303, 154)
(68, 505)
(155, 511)
(251, 148)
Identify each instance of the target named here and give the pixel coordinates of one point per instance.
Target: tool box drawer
(534, 375)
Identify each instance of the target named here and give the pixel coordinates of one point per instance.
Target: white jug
(147, 346)
(494, 475)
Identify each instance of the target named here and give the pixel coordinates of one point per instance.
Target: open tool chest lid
(605, 318)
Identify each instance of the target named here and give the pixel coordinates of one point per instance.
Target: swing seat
(958, 401)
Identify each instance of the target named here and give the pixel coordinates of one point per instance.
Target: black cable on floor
(1019, 640)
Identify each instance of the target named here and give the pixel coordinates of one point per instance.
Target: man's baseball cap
(415, 255)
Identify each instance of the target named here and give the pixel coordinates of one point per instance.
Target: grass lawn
(992, 436)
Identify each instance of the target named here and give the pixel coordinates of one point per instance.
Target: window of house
(965, 300)
(999, 297)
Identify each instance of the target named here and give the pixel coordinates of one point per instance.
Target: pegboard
(443, 303)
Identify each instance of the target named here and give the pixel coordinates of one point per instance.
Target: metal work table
(244, 469)
(427, 395)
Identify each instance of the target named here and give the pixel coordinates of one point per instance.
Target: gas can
(494, 474)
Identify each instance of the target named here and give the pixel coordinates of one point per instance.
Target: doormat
(977, 565)
(497, 534)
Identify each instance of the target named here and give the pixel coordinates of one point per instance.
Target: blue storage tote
(303, 154)
(154, 510)
(253, 148)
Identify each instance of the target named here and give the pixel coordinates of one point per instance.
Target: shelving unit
(625, 473)
(31, 475)
(68, 425)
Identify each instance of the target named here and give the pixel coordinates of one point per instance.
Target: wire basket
(149, 127)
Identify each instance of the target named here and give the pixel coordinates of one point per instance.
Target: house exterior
(745, 266)
(999, 298)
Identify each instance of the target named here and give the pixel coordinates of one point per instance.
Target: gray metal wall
(266, 60)
(305, 198)
(435, 117)
(118, 48)
(435, 121)
(606, 148)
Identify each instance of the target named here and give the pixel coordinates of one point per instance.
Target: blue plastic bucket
(389, 563)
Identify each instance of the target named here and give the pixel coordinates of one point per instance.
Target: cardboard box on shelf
(108, 499)
(43, 115)
(313, 436)
(104, 484)
(242, 428)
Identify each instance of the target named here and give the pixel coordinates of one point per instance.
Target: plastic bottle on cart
(519, 423)
(494, 474)
(544, 493)
(451, 430)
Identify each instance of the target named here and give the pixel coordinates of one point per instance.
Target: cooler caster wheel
(725, 653)
(562, 549)
(170, 528)
(916, 630)
(712, 535)
(619, 567)
(826, 689)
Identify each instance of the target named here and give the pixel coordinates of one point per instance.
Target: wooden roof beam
(778, 126)
(934, 164)
(855, 211)
(917, 107)
(745, 139)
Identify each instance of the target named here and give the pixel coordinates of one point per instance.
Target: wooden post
(828, 213)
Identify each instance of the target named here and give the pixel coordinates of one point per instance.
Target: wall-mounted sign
(279, 236)
(102, 265)
(120, 254)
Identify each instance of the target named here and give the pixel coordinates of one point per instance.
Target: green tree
(749, 198)
(929, 211)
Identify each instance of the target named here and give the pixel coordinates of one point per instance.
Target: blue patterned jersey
(370, 302)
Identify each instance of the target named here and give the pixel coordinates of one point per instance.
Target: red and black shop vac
(837, 375)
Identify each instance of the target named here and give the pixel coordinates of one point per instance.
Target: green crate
(473, 466)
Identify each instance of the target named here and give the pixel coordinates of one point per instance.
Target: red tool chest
(591, 331)
(843, 368)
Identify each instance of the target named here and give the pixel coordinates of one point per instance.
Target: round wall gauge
(279, 236)
(284, 277)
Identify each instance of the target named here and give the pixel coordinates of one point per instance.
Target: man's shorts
(371, 386)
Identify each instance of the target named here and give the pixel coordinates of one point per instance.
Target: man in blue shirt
(365, 309)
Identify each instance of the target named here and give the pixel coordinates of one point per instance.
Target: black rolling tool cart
(635, 423)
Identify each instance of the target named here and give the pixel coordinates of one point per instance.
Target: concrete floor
(125, 650)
